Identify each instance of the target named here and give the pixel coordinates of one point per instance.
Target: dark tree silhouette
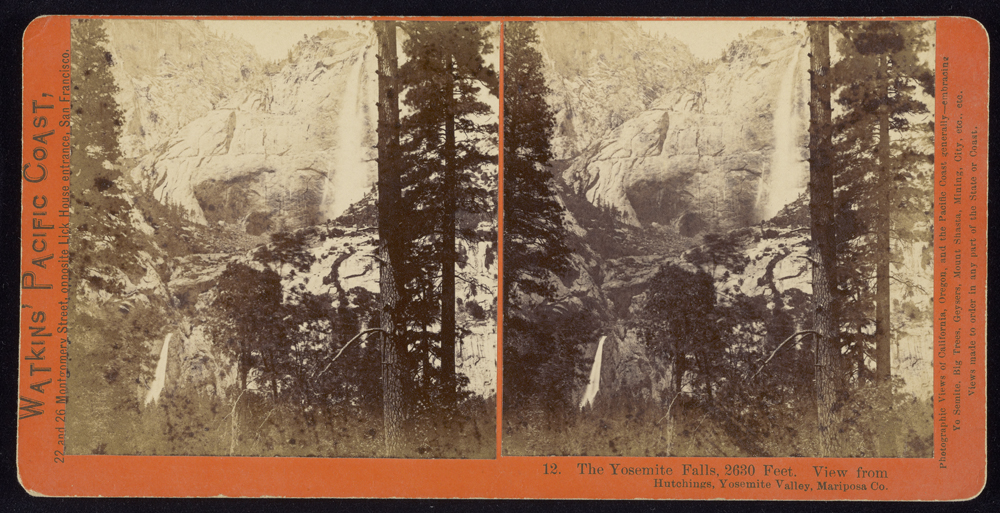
(534, 237)
(821, 208)
(104, 239)
(449, 148)
(677, 325)
(883, 161)
(393, 344)
(248, 314)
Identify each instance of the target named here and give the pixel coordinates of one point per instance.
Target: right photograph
(718, 238)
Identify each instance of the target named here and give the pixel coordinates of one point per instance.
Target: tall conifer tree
(104, 239)
(543, 357)
(390, 248)
(448, 143)
(884, 161)
(878, 80)
(103, 248)
(821, 207)
(534, 237)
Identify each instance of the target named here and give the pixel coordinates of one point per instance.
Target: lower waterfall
(595, 376)
(160, 376)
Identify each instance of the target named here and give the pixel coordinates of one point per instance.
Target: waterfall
(595, 376)
(161, 372)
(784, 181)
(350, 176)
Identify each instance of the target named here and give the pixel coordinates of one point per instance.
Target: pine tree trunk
(882, 358)
(448, 380)
(859, 363)
(243, 366)
(274, 378)
(389, 245)
(883, 363)
(821, 210)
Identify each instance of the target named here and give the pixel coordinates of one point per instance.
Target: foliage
(543, 361)
(442, 80)
(748, 392)
(110, 366)
(248, 318)
(534, 237)
(543, 355)
(631, 427)
(866, 416)
(104, 245)
(678, 325)
(636, 428)
(717, 250)
(186, 421)
(287, 248)
(449, 184)
(883, 190)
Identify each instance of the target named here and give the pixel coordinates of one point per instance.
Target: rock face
(187, 72)
(266, 147)
(719, 150)
(604, 73)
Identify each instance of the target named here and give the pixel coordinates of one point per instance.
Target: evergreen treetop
(534, 237)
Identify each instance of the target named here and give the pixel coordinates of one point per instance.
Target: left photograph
(283, 238)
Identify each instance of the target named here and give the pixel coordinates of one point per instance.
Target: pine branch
(813, 262)
(359, 335)
(907, 283)
(796, 334)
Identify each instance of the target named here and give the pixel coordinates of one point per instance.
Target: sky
(707, 39)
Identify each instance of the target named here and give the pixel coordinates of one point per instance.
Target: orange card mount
(504, 258)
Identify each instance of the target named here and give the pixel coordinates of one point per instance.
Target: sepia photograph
(508, 257)
(284, 238)
(718, 238)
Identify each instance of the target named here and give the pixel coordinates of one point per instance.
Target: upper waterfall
(719, 150)
(352, 171)
(786, 178)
